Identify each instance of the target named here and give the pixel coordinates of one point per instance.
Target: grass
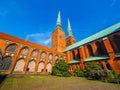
(55, 83)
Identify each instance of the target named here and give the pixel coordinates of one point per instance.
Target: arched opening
(5, 63)
(31, 66)
(24, 51)
(108, 66)
(49, 68)
(40, 67)
(19, 65)
(116, 39)
(50, 58)
(56, 58)
(34, 53)
(11, 48)
(43, 56)
(90, 50)
(101, 50)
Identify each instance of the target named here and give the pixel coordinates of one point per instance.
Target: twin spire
(69, 29)
(59, 25)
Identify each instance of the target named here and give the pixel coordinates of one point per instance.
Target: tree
(61, 69)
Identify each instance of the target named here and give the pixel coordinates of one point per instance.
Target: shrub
(112, 74)
(97, 74)
(89, 67)
(61, 68)
(55, 71)
(66, 74)
(79, 73)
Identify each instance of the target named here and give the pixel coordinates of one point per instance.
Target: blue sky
(36, 19)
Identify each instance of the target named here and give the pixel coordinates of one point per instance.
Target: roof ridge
(100, 34)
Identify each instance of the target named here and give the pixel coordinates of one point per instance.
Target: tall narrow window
(78, 54)
(116, 39)
(73, 54)
(101, 50)
(90, 50)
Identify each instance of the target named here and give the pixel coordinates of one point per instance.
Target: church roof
(96, 58)
(74, 61)
(96, 36)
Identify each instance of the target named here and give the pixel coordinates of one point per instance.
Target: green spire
(69, 29)
(58, 23)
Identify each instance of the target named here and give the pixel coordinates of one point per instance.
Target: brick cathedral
(19, 56)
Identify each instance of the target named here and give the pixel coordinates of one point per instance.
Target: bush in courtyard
(89, 66)
(98, 74)
(79, 73)
(113, 77)
(66, 74)
(112, 74)
(61, 69)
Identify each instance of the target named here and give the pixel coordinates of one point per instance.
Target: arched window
(90, 50)
(50, 58)
(19, 65)
(101, 50)
(43, 56)
(24, 51)
(40, 67)
(34, 53)
(31, 66)
(56, 58)
(5, 63)
(11, 48)
(49, 68)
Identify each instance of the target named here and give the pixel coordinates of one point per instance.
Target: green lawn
(55, 83)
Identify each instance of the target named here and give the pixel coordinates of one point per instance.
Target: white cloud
(113, 2)
(40, 38)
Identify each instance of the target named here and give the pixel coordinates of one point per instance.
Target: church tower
(58, 36)
(70, 38)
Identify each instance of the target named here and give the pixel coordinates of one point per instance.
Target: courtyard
(55, 83)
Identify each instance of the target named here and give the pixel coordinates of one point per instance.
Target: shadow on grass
(2, 79)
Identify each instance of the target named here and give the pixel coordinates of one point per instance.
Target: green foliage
(89, 67)
(61, 68)
(112, 74)
(79, 73)
(98, 74)
(66, 74)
